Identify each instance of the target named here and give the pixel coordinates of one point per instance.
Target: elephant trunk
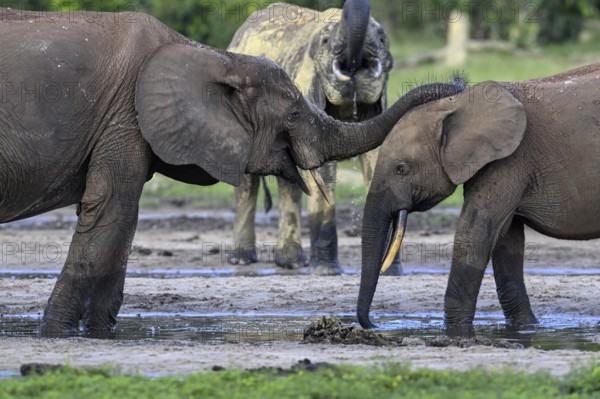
(340, 140)
(377, 220)
(355, 15)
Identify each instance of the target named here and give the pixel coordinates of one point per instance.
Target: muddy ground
(562, 277)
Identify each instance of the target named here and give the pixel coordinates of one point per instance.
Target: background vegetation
(214, 22)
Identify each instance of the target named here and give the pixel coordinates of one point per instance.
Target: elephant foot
(54, 330)
(326, 268)
(101, 332)
(288, 262)
(50, 329)
(521, 321)
(64, 309)
(87, 305)
(464, 330)
(242, 257)
(395, 269)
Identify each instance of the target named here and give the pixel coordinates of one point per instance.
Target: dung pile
(329, 329)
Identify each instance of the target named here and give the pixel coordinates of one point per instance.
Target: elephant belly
(571, 219)
(562, 196)
(29, 190)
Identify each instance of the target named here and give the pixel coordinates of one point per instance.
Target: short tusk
(296, 178)
(304, 187)
(396, 243)
(377, 69)
(337, 71)
(322, 186)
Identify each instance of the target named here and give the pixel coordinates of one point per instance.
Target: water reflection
(550, 334)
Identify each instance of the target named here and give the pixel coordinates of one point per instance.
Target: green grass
(391, 381)
(162, 191)
(480, 66)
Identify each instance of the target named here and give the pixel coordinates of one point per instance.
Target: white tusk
(378, 69)
(337, 71)
(322, 186)
(396, 240)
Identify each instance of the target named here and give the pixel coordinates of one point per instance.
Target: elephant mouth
(373, 67)
(290, 172)
(340, 74)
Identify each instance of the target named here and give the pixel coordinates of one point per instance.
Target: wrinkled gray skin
(527, 153)
(332, 55)
(93, 104)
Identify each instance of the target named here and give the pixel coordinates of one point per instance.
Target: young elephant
(527, 152)
(91, 105)
(334, 56)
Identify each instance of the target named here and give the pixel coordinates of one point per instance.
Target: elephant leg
(507, 260)
(473, 242)
(244, 236)
(321, 220)
(368, 160)
(289, 253)
(90, 286)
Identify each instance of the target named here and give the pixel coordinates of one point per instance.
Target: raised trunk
(344, 140)
(356, 17)
(376, 222)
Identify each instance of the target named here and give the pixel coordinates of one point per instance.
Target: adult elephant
(93, 104)
(527, 153)
(339, 59)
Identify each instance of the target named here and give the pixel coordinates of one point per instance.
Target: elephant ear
(483, 124)
(189, 110)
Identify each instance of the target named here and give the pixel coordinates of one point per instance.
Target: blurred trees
(543, 21)
(215, 21)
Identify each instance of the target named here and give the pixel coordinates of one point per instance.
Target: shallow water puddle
(552, 333)
(27, 274)
(226, 271)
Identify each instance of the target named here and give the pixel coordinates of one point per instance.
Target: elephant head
(431, 150)
(186, 93)
(351, 58)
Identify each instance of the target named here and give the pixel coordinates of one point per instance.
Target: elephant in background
(93, 105)
(335, 57)
(527, 153)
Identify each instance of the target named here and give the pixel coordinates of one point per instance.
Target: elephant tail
(268, 198)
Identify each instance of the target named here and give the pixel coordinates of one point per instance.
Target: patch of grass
(161, 190)
(456, 199)
(390, 381)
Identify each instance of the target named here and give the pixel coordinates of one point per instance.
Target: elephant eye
(402, 169)
(294, 115)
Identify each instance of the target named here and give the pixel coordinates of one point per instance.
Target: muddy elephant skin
(333, 56)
